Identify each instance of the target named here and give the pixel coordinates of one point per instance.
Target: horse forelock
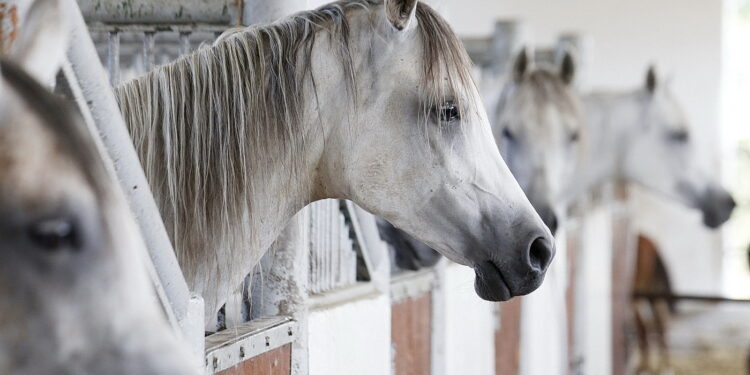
(191, 120)
(543, 88)
(64, 124)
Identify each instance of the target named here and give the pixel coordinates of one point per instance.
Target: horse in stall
(362, 100)
(75, 297)
(536, 121)
(537, 124)
(642, 137)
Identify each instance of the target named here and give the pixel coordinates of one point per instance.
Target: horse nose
(541, 253)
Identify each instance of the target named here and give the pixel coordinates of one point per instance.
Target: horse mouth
(490, 283)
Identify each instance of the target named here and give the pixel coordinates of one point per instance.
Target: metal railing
(333, 256)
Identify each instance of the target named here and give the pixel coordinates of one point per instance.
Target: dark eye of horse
(448, 112)
(54, 234)
(508, 135)
(679, 136)
(574, 136)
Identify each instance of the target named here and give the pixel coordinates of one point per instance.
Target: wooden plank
(508, 338)
(411, 335)
(274, 362)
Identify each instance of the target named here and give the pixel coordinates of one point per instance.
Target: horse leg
(642, 333)
(661, 320)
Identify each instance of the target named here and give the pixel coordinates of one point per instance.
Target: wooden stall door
(508, 338)
(274, 362)
(411, 335)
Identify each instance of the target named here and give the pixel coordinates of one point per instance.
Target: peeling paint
(8, 26)
(225, 12)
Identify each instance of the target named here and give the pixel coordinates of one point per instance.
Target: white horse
(74, 296)
(538, 126)
(643, 137)
(536, 119)
(361, 100)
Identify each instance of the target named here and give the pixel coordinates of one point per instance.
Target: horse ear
(520, 65)
(400, 13)
(651, 80)
(40, 48)
(567, 68)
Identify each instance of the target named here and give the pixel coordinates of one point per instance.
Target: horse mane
(545, 86)
(203, 123)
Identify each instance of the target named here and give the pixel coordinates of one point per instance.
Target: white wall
(351, 338)
(684, 39)
(593, 306)
(467, 326)
(544, 332)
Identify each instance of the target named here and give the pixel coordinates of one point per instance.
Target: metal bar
(228, 12)
(96, 92)
(688, 297)
(143, 28)
(71, 88)
(148, 50)
(113, 57)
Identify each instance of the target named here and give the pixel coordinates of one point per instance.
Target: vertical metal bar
(185, 47)
(113, 57)
(148, 51)
(96, 92)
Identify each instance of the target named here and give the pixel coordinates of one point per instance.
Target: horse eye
(448, 112)
(54, 234)
(507, 134)
(574, 136)
(679, 136)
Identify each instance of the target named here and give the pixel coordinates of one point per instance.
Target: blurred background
(702, 48)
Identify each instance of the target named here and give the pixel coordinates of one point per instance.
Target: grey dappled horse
(363, 100)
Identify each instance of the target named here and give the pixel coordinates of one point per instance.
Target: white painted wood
(468, 325)
(351, 338)
(594, 293)
(265, 11)
(544, 336)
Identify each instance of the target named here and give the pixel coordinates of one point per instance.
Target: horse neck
(611, 122)
(264, 184)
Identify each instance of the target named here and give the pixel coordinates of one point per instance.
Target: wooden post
(506, 40)
(623, 261)
(508, 338)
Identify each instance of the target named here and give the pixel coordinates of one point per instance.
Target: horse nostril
(540, 255)
(731, 203)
